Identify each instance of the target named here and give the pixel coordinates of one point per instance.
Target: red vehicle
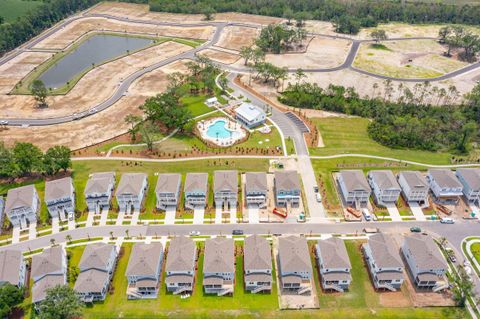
(280, 212)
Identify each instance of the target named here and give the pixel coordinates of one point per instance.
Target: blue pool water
(219, 129)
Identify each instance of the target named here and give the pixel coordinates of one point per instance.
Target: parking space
(55, 225)
(417, 211)
(16, 234)
(253, 216)
(233, 216)
(198, 215)
(71, 223)
(170, 215)
(90, 219)
(103, 217)
(218, 215)
(135, 216)
(120, 217)
(393, 212)
(32, 231)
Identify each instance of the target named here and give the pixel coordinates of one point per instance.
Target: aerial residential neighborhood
(239, 159)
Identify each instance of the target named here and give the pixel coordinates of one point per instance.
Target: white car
(194, 233)
(318, 197)
(447, 220)
(3, 122)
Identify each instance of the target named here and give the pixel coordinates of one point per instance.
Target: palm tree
(68, 238)
(126, 233)
(111, 235)
(52, 241)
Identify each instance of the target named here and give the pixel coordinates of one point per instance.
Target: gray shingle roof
(96, 256)
(39, 288)
(384, 179)
(99, 182)
(471, 177)
(225, 181)
(293, 254)
(10, 263)
(91, 280)
(219, 255)
(47, 262)
(286, 180)
(415, 180)
(445, 178)
(384, 251)
(19, 197)
(255, 182)
(355, 180)
(196, 182)
(181, 255)
(58, 188)
(131, 183)
(144, 259)
(425, 252)
(168, 183)
(334, 254)
(257, 254)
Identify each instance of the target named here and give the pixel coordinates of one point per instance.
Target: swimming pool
(218, 129)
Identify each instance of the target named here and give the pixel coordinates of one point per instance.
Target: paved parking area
(417, 212)
(198, 215)
(394, 213)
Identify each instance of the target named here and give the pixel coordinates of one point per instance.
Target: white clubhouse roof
(249, 111)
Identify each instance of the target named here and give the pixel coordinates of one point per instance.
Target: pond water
(97, 49)
(219, 130)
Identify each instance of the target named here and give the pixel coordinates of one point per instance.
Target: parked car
(3, 122)
(415, 229)
(452, 258)
(318, 197)
(237, 232)
(366, 215)
(194, 233)
(447, 220)
(315, 188)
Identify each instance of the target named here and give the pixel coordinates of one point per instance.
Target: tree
(57, 158)
(223, 82)
(378, 35)
(288, 14)
(7, 162)
(208, 13)
(40, 92)
(443, 33)
(28, 158)
(463, 287)
(468, 130)
(166, 109)
(299, 75)
(300, 18)
(346, 24)
(133, 121)
(61, 302)
(246, 53)
(10, 297)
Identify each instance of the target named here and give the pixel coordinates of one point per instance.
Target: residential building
(287, 188)
(414, 187)
(196, 190)
(445, 186)
(60, 198)
(256, 190)
(219, 266)
(180, 267)
(384, 262)
(12, 268)
(22, 206)
(385, 187)
(99, 191)
(131, 191)
(144, 270)
(257, 264)
(225, 187)
(333, 264)
(470, 179)
(49, 269)
(96, 270)
(354, 188)
(168, 190)
(294, 266)
(250, 115)
(425, 263)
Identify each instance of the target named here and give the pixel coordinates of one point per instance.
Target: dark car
(237, 232)
(416, 229)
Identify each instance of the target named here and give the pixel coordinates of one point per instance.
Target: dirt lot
(322, 52)
(76, 29)
(15, 69)
(406, 59)
(99, 127)
(220, 56)
(402, 30)
(89, 91)
(235, 38)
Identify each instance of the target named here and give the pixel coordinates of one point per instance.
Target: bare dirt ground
(89, 91)
(99, 127)
(235, 38)
(402, 30)
(15, 69)
(321, 52)
(406, 59)
(72, 32)
(220, 56)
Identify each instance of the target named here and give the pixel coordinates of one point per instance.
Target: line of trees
(399, 120)
(277, 38)
(348, 16)
(25, 159)
(458, 37)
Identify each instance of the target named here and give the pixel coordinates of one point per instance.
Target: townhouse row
(446, 186)
(23, 203)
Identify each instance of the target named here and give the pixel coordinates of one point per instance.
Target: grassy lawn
(476, 251)
(196, 104)
(10, 10)
(349, 135)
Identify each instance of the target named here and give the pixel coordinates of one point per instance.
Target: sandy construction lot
(322, 52)
(406, 59)
(17, 68)
(89, 91)
(220, 56)
(235, 38)
(78, 28)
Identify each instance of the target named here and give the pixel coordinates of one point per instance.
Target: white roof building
(250, 115)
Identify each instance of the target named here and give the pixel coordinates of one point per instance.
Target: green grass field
(349, 135)
(11, 10)
(476, 251)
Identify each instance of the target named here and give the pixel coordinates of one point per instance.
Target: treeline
(25, 159)
(412, 122)
(348, 15)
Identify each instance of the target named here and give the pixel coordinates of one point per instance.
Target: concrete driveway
(253, 215)
(417, 212)
(394, 213)
(170, 215)
(198, 215)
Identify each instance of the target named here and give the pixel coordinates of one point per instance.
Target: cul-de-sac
(239, 159)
